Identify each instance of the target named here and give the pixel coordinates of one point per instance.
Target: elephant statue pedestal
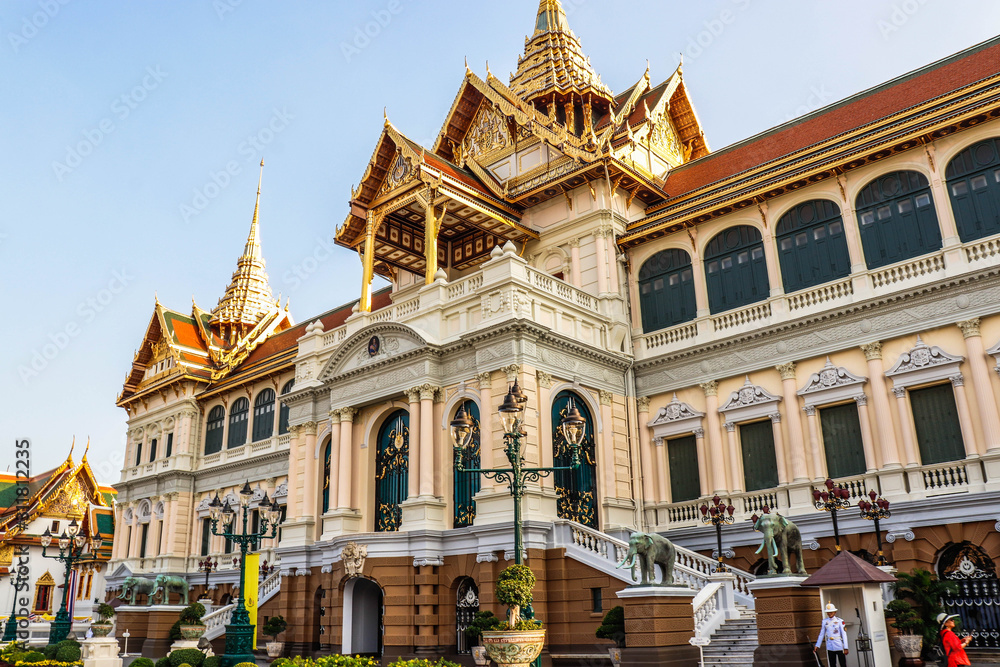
(659, 624)
(788, 621)
(100, 652)
(148, 628)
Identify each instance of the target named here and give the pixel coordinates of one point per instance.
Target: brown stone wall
(788, 622)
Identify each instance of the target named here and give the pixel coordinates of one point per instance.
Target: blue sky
(133, 130)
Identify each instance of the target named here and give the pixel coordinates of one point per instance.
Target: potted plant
(191, 626)
(924, 592)
(274, 627)
(103, 627)
(907, 621)
(518, 641)
(613, 628)
(483, 621)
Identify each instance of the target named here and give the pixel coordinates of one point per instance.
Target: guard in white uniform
(836, 637)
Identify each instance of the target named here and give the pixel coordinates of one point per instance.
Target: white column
(796, 444)
(662, 473)
(872, 458)
(544, 383)
(345, 485)
(607, 445)
(611, 248)
(426, 454)
(333, 492)
(851, 232)
(645, 450)
(736, 479)
(413, 475)
(602, 263)
(982, 384)
(574, 263)
(819, 465)
(310, 501)
(883, 413)
(779, 448)
(715, 449)
(699, 440)
(964, 416)
(909, 448)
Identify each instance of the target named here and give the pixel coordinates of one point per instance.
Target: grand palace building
(818, 301)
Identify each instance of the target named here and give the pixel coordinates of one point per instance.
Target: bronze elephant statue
(165, 585)
(781, 537)
(133, 586)
(650, 551)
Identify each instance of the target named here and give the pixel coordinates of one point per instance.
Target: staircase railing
(269, 587)
(216, 621)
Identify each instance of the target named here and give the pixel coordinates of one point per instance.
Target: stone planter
(274, 649)
(192, 631)
(616, 656)
(479, 655)
(101, 629)
(514, 648)
(909, 645)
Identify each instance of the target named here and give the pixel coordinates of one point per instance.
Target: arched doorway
(978, 598)
(363, 618)
(319, 611)
(466, 606)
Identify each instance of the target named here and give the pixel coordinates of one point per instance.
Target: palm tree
(926, 593)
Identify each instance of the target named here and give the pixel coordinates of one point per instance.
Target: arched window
(392, 470)
(576, 490)
(263, 415)
(466, 607)
(238, 416)
(467, 484)
(283, 412)
(213, 430)
(327, 452)
(152, 450)
(812, 248)
(974, 186)
(897, 218)
(735, 269)
(666, 290)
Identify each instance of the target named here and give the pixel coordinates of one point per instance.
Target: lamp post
(239, 632)
(718, 514)
(10, 629)
(511, 412)
(834, 498)
(877, 509)
(71, 551)
(207, 566)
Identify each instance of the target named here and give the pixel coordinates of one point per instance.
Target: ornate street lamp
(72, 548)
(235, 527)
(10, 628)
(207, 566)
(834, 498)
(718, 514)
(511, 411)
(877, 509)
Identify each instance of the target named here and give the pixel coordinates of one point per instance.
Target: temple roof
(553, 62)
(248, 298)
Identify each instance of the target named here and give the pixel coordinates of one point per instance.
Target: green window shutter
(576, 490)
(392, 466)
(468, 484)
(760, 468)
(206, 536)
(845, 451)
(974, 187)
(666, 290)
(735, 269)
(897, 219)
(935, 416)
(682, 457)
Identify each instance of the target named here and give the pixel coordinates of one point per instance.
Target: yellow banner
(250, 579)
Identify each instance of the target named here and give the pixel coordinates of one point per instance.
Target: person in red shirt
(954, 648)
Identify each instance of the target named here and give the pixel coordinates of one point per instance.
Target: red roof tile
(894, 96)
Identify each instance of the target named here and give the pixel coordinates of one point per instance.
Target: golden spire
(553, 64)
(248, 298)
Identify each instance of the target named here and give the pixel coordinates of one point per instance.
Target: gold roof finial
(69, 457)
(84, 460)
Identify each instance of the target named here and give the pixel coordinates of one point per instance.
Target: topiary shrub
(50, 651)
(142, 662)
(274, 627)
(190, 656)
(163, 662)
(613, 626)
(175, 631)
(513, 590)
(34, 656)
(68, 653)
(483, 621)
(184, 664)
(192, 614)
(212, 661)
(246, 664)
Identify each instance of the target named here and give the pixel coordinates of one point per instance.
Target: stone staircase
(734, 642)
(216, 621)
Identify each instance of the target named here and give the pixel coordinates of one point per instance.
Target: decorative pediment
(750, 402)
(924, 364)
(675, 418)
(487, 134)
(995, 352)
(832, 384)
(372, 345)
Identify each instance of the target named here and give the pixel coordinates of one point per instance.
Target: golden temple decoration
(664, 140)
(487, 133)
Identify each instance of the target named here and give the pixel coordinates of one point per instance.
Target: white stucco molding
(923, 364)
(831, 385)
(675, 418)
(749, 403)
(995, 353)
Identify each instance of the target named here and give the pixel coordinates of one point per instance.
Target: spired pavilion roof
(69, 491)
(555, 98)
